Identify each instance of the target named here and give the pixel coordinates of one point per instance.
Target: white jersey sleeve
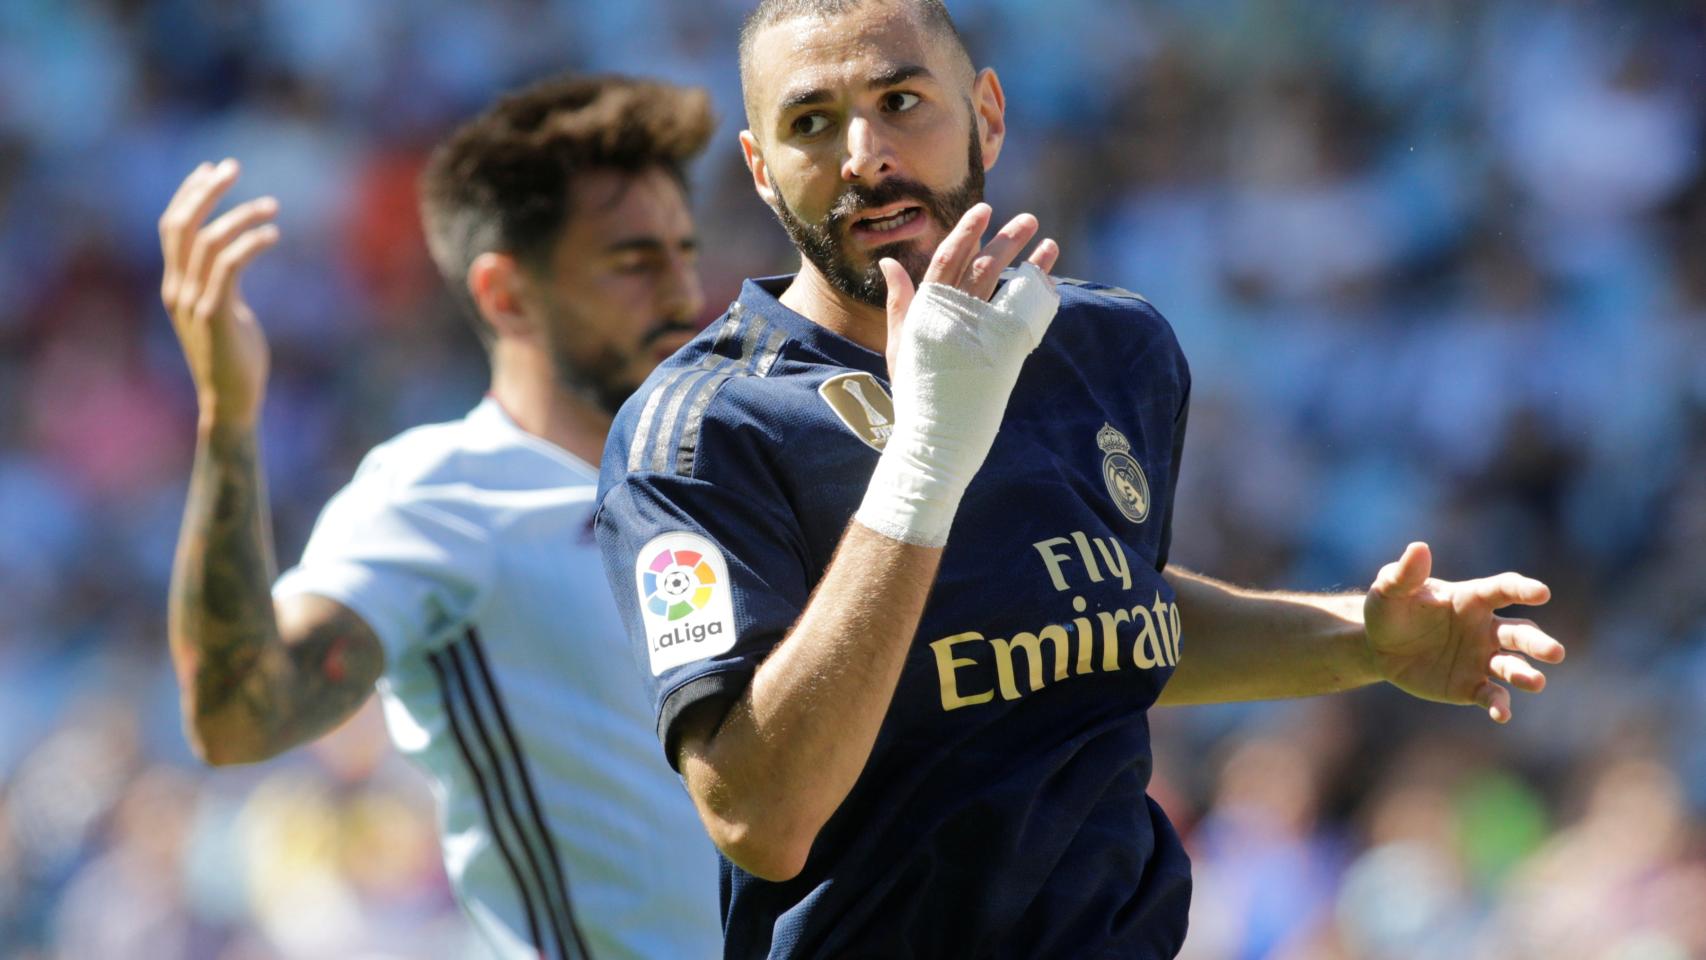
(402, 554)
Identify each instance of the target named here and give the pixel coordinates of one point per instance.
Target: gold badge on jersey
(1123, 474)
(862, 404)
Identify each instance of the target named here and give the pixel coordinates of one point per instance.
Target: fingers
(985, 270)
(228, 265)
(212, 240)
(1045, 255)
(1510, 588)
(956, 250)
(1525, 637)
(1517, 672)
(958, 261)
(900, 292)
(1496, 700)
(170, 222)
(195, 198)
(1405, 575)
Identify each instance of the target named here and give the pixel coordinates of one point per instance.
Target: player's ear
(755, 165)
(989, 107)
(496, 284)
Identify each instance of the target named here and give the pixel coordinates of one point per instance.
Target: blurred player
(903, 651)
(456, 569)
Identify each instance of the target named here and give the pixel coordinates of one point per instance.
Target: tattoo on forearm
(231, 659)
(221, 602)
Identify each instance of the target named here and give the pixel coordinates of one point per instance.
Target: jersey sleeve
(1179, 422)
(1157, 355)
(407, 559)
(708, 575)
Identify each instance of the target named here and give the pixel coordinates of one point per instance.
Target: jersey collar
(489, 418)
(759, 296)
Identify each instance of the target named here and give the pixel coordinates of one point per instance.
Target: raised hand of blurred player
(225, 347)
(1442, 641)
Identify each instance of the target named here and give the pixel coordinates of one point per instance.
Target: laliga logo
(682, 582)
(677, 583)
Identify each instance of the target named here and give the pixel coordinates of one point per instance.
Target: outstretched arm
(1434, 639)
(254, 680)
(1263, 645)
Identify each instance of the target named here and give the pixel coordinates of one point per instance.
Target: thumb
(900, 293)
(1408, 573)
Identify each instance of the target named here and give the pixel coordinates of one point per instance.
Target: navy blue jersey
(1003, 811)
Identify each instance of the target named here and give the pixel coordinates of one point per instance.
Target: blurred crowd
(1439, 267)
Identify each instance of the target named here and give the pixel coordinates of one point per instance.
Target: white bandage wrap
(954, 373)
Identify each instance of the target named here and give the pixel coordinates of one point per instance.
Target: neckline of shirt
(759, 295)
(491, 414)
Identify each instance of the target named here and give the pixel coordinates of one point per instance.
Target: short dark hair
(501, 181)
(933, 13)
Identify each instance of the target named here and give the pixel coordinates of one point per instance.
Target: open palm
(1443, 641)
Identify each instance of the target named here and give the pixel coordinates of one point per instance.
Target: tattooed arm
(256, 679)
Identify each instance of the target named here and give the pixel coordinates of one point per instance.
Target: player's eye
(811, 124)
(899, 102)
(634, 263)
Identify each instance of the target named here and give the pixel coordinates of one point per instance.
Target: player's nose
(869, 155)
(682, 296)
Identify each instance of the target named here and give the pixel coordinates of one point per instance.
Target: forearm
(789, 751)
(1258, 645)
(246, 693)
(220, 613)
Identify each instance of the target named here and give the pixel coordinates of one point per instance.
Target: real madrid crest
(1123, 474)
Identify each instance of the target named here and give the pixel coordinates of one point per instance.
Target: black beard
(824, 245)
(600, 378)
(596, 382)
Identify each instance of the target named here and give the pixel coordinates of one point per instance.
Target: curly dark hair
(501, 181)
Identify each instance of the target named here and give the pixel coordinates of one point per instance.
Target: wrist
(214, 416)
(909, 499)
(212, 424)
(1361, 665)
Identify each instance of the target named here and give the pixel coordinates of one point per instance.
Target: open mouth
(890, 225)
(890, 222)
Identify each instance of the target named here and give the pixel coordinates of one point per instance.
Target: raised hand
(959, 263)
(223, 342)
(954, 356)
(1441, 640)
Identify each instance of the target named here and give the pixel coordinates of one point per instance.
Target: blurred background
(1439, 267)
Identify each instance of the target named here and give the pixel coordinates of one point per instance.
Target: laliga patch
(683, 582)
(862, 404)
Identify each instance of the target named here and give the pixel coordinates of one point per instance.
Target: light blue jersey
(467, 547)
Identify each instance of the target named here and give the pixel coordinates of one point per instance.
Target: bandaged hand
(954, 356)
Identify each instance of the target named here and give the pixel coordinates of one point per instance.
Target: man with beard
(456, 570)
(902, 652)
